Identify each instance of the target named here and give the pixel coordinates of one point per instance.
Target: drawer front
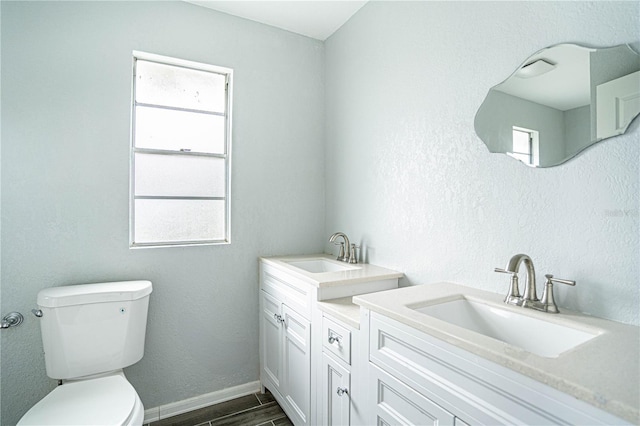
(398, 404)
(291, 291)
(336, 339)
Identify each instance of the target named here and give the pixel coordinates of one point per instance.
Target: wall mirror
(560, 101)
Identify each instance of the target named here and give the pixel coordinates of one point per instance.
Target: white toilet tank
(93, 328)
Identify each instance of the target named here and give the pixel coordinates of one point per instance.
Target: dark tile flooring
(252, 410)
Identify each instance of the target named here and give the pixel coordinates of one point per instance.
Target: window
(180, 152)
(525, 146)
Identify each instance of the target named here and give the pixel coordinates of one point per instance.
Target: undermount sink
(321, 265)
(543, 338)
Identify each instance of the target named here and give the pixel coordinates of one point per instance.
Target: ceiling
(566, 86)
(315, 19)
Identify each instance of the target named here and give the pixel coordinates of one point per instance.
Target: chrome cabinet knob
(333, 339)
(342, 391)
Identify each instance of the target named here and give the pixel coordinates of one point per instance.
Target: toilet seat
(105, 401)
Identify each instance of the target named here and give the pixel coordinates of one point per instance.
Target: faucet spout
(346, 254)
(529, 298)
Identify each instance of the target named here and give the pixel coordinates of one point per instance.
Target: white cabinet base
(336, 388)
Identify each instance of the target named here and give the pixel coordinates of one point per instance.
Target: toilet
(90, 332)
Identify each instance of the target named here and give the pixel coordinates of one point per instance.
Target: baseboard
(200, 401)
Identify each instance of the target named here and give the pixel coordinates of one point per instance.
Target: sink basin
(543, 338)
(321, 265)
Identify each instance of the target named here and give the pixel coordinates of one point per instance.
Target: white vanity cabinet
(311, 380)
(419, 379)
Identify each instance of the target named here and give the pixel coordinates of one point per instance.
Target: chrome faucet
(529, 296)
(347, 251)
(530, 299)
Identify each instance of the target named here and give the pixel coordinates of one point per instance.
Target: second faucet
(347, 251)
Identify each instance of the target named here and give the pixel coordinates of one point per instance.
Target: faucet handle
(548, 303)
(549, 277)
(341, 255)
(353, 258)
(513, 296)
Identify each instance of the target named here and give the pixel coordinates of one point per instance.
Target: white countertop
(364, 272)
(604, 372)
(342, 309)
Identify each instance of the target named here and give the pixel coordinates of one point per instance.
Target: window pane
(159, 221)
(521, 142)
(175, 130)
(179, 175)
(170, 85)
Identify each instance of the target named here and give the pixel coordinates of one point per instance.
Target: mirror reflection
(562, 100)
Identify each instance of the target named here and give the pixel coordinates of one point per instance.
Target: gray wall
(404, 80)
(66, 93)
(577, 130)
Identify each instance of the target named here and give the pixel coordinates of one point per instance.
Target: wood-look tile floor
(252, 410)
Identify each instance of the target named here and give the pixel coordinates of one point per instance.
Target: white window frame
(534, 150)
(137, 55)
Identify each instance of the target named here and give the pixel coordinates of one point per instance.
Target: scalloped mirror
(560, 101)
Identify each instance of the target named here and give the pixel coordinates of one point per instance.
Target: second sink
(543, 338)
(321, 265)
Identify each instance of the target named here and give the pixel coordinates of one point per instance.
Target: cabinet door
(296, 375)
(271, 344)
(336, 385)
(398, 404)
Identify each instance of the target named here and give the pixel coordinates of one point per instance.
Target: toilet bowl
(108, 401)
(89, 333)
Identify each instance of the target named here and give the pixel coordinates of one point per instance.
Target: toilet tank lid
(81, 294)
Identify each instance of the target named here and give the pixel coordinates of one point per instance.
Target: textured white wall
(66, 91)
(405, 173)
(408, 178)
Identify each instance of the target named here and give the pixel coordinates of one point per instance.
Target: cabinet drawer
(336, 339)
(398, 404)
